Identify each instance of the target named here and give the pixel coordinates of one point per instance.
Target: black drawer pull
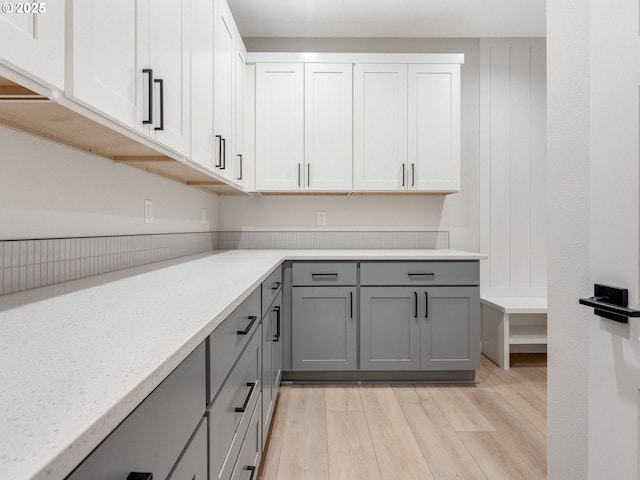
(324, 276)
(140, 476)
(252, 469)
(350, 304)
(276, 285)
(149, 119)
(253, 319)
(219, 159)
(246, 400)
(160, 83)
(276, 338)
(419, 275)
(415, 307)
(426, 304)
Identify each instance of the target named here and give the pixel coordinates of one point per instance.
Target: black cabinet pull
(324, 276)
(350, 304)
(276, 338)
(415, 308)
(219, 159)
(298, 175)
(253, 319)
(140, 476)
(430, 276)
(240, 177)
(276, 285)
(252, 469)
(413, 174)
(223, 159)
(148, 71)
(426, 304)
(308, 175)
(246, 400)
(160, 82)
(403, 174)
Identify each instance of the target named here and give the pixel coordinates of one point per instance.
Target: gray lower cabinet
(324, 330)
(193, 461)
(271, 361)
(246, 467)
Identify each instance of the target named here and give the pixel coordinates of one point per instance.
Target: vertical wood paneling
(513, 164)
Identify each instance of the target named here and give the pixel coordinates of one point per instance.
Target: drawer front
(226, 343)
(270, 289)
(246, 467)
(420, 273)
(324, 273)
(152, 437)
(193, 461)
(227, 426)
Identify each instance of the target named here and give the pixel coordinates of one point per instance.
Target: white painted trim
(310, 57)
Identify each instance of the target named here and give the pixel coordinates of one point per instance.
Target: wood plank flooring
(493, 430)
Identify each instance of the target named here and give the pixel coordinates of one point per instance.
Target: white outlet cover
(148, 211)
(321, 218)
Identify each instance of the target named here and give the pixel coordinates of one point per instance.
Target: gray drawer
(225, 343)
(270, 289)
(193, 461)
(446, 272)
(324, 273)
(249, 457)
(152, 437)
(227, 426)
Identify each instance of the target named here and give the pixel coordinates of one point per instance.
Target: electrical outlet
(321, 218)
(204, 216)
(148, 211)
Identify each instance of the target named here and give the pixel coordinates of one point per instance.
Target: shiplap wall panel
(513, 166)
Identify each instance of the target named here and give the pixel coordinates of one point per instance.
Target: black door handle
(253, 319)
(426, 304)
(240, 177)
(160, 82)
(308, 175)
(276, 338)
(246, 400)
(350, 304)
(413, 174)
(415, 308)
(252, 469)
(219, 159)
(140, 476)
(223, 159)
(298, 175)
(148, 71)
(403, 174)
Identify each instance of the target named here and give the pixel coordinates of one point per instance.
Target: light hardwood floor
(493, 430)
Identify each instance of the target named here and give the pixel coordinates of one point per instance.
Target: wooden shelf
(25, 110)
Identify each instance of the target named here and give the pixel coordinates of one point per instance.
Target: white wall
(568, 236)
(457, 213)
(49, 190)
(513, 175)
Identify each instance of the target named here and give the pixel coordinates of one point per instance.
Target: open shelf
(527, 334)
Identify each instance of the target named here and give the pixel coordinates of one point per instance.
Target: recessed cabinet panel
(193, 462)
(380, 127)
(279, 126)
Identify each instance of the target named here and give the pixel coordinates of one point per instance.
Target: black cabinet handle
(276, 285)
(223, 159)
(253, 319)
(252, 469)
(324, 276)
(426, 304)
(240, 177)
(160, 82)
(298, 175)
(276, 338)
(413, 174)
(140, 476)
(246, 400)
(403, 174)
(350, 304)
(148, 71)
(415, 308)
(219, 159)
(308, 175)
(430, 276)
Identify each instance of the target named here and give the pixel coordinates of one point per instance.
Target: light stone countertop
(77, 357)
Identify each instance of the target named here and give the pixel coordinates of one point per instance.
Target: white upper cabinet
(239, 160)
(32, 40)
(328, 127)
(279, 126)
(380, 127)
(224, 38)
(104, 67)
(434, 128)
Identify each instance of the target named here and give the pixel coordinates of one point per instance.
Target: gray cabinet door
(271, 361)
(389, 328)
(193, 461)
(324, 328)
(450, 328)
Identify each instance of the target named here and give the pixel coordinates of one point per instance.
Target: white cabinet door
(33, 43)
(434, 128)
(279, 126)
(380, 127)
(328, 127)
(239, 160)
(224, 31)
(201, 27)
(169, 56)
(104, 68)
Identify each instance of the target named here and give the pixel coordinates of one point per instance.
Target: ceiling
(389, 18)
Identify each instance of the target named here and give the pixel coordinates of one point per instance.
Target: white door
(104, 65)
(380, 127)
(328, 126)
(169, 57)
(434, 128)
(279, 126)
(223, 88)
(33, 43)
(201, 27)
(239, 160)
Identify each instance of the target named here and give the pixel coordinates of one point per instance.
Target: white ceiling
(389, 18)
